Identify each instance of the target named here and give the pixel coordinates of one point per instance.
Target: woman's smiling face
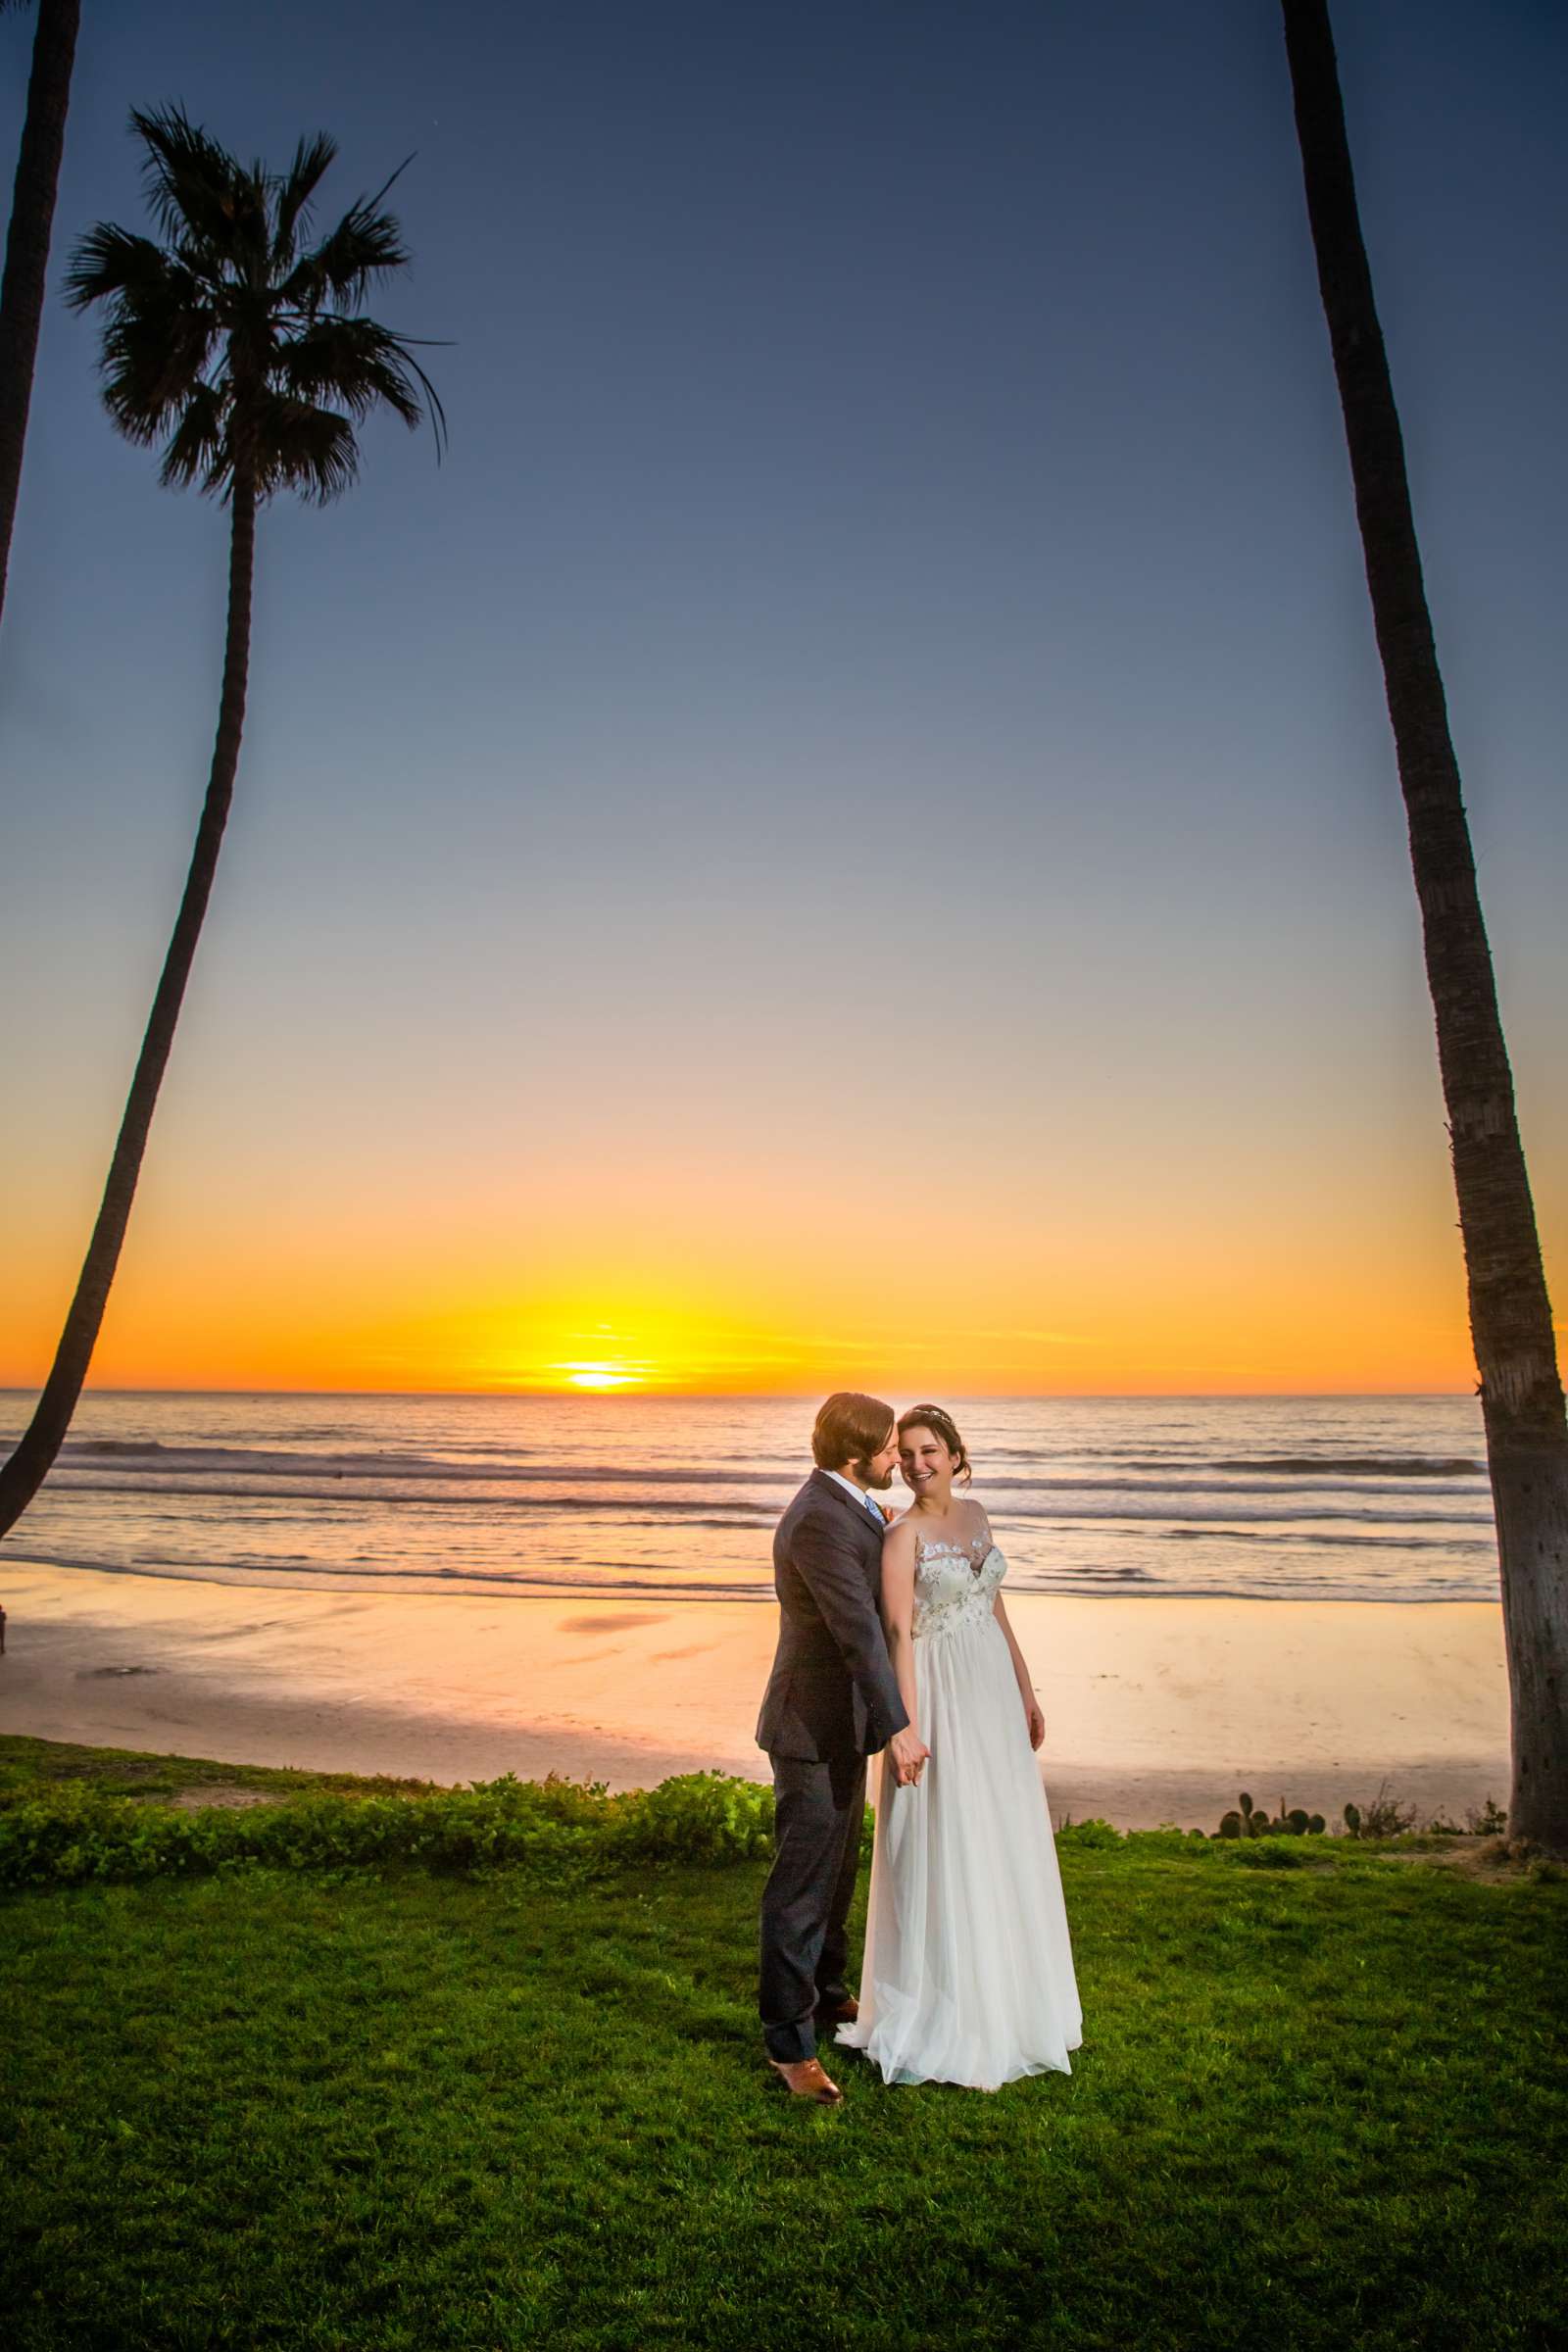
(925, 1463)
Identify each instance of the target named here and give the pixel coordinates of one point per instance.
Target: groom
(832, 1699)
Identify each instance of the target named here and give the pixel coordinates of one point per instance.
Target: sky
(848, 834)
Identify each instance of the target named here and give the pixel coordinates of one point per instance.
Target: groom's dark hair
(850, 1428)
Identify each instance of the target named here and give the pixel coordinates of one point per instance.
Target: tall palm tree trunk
(1510, 1315)
(33, 212)
(24, 1473)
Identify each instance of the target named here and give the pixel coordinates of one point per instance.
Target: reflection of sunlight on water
(650, 1498)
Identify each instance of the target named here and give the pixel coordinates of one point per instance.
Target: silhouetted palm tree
(238, 345)
(33, 212)
(1510, 1315)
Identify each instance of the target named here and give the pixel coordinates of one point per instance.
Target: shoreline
(1316, 1701)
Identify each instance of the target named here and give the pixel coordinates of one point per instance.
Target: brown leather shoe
(804, 2078)
(839, 2013)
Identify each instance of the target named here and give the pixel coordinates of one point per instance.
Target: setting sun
(601, 1376)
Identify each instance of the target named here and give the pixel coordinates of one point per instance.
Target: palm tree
(1510, 1315)
(33, 212)
(238, 346)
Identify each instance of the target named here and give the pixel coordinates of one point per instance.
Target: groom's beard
(869, 1478)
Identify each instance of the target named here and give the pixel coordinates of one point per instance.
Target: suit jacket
(832, 1692)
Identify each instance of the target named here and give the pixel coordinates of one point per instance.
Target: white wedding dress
(969, 1975)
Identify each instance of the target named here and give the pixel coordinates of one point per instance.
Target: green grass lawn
(1319, 2103)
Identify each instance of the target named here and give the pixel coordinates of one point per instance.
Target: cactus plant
(1291, 1821)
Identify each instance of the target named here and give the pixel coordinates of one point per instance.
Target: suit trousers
(817, 1812)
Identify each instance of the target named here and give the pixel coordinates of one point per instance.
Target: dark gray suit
(832, 1699)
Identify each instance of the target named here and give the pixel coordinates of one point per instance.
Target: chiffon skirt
(968, 1974)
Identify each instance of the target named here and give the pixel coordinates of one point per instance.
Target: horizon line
(632, 1395)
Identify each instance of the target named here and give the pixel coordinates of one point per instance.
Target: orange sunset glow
(1071, 1307)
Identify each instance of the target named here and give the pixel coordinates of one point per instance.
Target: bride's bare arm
(1031, 1704)
(898, 1613)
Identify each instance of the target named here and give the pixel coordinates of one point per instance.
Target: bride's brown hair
(941, 1425)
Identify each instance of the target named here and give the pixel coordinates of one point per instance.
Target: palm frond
(110, 261)
(190, 182)
(148, 373)
(363, 246)
(298, 185)
(198, 450)
(353, 362)
(432, 398)
(303, 448)
(251, 250)
(159, 333)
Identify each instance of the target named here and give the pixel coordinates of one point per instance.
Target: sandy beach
(1157, 1709)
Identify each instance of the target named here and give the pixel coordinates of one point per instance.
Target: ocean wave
(1225, 1488)
(326, 1575)
(119, 1466)
(180, 1461)
(1186, 1469)
(1219, 1474)
(1279, 1509)
(241, 1487)
(615, 1584)
(1355, 1465)
(1129, 1506)
(1338, 1540)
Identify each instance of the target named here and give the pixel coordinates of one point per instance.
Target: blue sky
(891, 619)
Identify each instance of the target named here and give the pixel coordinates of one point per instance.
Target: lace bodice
(954, 1583)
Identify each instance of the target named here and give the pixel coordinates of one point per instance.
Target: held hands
(1037, 1722)
(909, 1752)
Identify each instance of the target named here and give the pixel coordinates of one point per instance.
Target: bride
(968, 1974)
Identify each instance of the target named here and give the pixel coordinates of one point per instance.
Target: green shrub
(1091, 1833)
(74, 1832)
(701, 1816)
(77, 1832)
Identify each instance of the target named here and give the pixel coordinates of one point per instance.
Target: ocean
(1291, 1499)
